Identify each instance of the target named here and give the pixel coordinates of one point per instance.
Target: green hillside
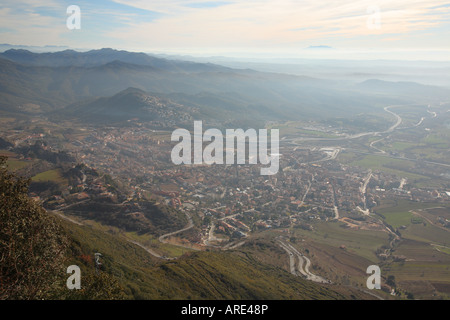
(199, 275)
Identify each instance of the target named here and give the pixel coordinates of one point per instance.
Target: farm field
(50, 175)
(399, 213)
(421, 263)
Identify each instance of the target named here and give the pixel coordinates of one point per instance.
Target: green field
(397, 213)
(13, 163)
(363, 243)
(390, 166)
(17, 164)
(443, 249)
(51, 175)
(428, 233)
(173, 250)
(402, 146)
(424, 248)
(294, 129)
(439, 139)
(425, 271)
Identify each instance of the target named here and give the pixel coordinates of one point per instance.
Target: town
(230, 201)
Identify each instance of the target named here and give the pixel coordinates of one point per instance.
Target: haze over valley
(364, 156)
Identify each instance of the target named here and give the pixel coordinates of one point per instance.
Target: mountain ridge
(257, 95)
(104, 56)
(126, 105)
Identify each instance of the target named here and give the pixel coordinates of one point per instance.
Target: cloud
(274, 22)
(232, 24)
(22, 23)
(44, 22)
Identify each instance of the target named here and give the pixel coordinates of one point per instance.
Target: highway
(297, 141)
(399, 121)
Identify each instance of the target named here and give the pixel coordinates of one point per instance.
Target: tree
(391, 281)
(32, 243)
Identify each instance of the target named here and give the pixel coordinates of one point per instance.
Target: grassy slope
(199, 275)
(50, 175)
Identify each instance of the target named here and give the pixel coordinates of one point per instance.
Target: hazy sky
(279, 28)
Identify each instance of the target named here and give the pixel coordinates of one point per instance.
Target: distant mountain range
(59, 81)
(48, 48)
(100, 57)
(319, 47)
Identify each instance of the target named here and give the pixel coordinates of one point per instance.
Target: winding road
(170, 234)
(302, 260)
